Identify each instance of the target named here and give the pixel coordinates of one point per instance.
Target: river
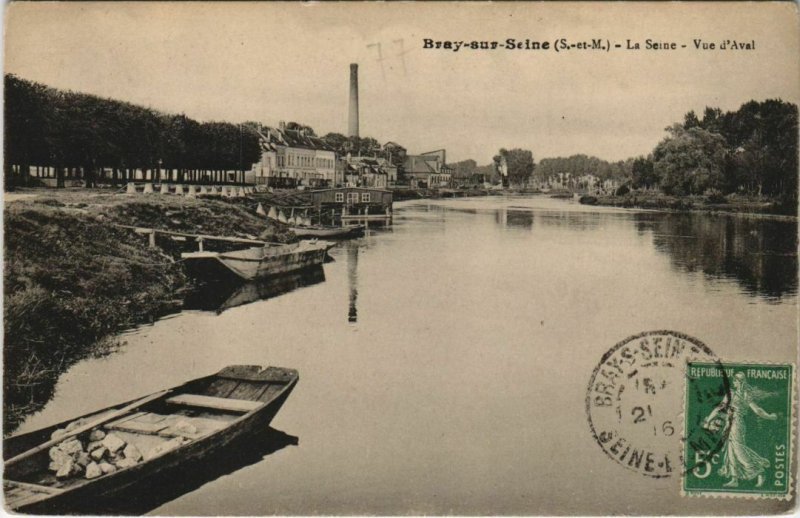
(444, 361)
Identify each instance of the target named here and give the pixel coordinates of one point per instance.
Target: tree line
(576, 166)
(366, 146)
(752, 150)
(518, 167)
(78, 134)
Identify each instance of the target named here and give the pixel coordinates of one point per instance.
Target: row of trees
(576, 166)
(515, 166)
(366, 146)
(511, 167)
(67, 130)
(518, 167)
(468, 171)
(752, 150)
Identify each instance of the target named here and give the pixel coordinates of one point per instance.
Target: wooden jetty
(199, 238)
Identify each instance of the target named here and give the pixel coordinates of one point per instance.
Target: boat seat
(215, 403)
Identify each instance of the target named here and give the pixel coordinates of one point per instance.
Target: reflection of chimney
(352, 122)
(352, 280)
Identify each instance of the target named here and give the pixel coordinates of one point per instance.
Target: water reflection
(760, 254)
(519, 218)
(352, 280)
(163, 487)
(573, 220)
(221, 296)
(463, 210)
(29, 381)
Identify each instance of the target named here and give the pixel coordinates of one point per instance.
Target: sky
(270, 62)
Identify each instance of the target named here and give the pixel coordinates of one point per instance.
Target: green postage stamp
(739, 429)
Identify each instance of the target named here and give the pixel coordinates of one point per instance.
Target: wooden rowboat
(329, 232)
(167, 430)
(256, 263)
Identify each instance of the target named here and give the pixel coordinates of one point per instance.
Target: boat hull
(221, 296)
(328, 232)
(252, 264)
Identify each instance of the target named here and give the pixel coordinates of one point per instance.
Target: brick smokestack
(352, 122)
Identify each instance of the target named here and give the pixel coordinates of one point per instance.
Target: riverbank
(73, 279)
(403, 194)
(727, 205)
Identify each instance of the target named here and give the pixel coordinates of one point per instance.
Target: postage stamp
(634, 401)
(751, 407)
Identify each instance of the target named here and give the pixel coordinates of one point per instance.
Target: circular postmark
(635, 402)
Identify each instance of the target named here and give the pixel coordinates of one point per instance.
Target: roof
(274, 137)
(364, 160)
(419, 164)
(287, 199)
(348, 189)
(372, 165)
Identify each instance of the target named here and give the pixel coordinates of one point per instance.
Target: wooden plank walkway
(198, 237)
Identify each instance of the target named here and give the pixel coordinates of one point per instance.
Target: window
(352, 197)
(364, 197)
(339, 197)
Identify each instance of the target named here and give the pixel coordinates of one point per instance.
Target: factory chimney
(352, 126)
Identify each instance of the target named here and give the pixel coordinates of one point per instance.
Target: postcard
(368, 258)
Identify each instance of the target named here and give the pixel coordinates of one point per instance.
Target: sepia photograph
(397, 259)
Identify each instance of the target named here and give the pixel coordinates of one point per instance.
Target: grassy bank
(73, 279)
(729, 204)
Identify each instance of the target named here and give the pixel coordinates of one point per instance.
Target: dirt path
(16, 196)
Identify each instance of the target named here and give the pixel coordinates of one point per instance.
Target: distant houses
(291, 158)
(428, 170)
(589, 183)
(369, 172)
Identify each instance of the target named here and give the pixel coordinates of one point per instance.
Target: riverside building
(292, 158)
